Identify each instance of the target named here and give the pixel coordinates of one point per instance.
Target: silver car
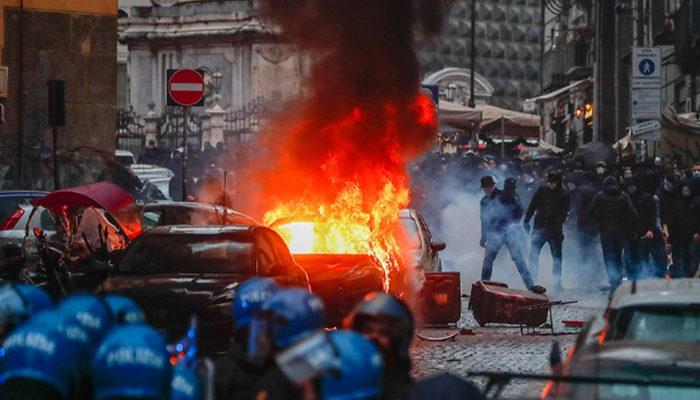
(423, 248)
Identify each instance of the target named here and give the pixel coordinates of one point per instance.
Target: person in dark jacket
(500, 218)
(682, 230)
(647, 254)
(585, 229)
(151, 154)
(550, 207)
(236, 371)
(616, 218)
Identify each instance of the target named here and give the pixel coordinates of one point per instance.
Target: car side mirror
(438, 246)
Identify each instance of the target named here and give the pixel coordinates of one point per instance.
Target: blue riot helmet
(43, 351)
(91, 312)
(186, 384)
(132, 362)
(249, 299)
(385, 309)
(291, 315)
(361, 369)
(18, 302)
(124, 310)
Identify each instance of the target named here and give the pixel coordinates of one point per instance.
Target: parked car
(190, 213)
(157, 176)
(124, 157)
(11, 200)
(631, 370)
(655, 310)
(13, 229)
(341, 280)
(414, 234)
(176, 271)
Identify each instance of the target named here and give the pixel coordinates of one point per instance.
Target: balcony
(687, 36)
(565, 63)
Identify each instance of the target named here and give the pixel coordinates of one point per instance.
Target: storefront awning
(531, 104)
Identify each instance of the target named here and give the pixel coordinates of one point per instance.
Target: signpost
(646, 93)
(185, 88)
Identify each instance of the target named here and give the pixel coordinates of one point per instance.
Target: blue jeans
(513, 237)
(555, 241)
(613, 244)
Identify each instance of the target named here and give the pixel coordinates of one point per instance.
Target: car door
(275, 261)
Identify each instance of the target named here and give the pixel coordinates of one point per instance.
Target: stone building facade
(508, 41)
(42, 40)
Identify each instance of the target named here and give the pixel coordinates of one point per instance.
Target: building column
(151, 124)
(216, 116)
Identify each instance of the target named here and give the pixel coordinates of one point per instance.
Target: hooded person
(646, 247)
(237, 372)
(682, 231)
(500, 215)
(616, 217)
(388, 322)
(286, 319)
(132, 362)
(550, 208)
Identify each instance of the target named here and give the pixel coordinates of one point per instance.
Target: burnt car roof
(201, 230)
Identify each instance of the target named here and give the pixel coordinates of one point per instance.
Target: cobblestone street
(501, 347)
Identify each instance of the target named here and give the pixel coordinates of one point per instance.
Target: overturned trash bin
(495, 302)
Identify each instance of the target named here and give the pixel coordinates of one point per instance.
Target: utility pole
(604, 85)
(472, 67)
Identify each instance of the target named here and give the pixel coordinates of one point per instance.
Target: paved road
(502, 347)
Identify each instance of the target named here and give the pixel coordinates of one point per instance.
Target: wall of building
(69, 40)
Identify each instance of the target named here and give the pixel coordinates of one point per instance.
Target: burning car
(190, 213)
(175, 272)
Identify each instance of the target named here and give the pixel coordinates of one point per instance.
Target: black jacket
(499, 210)
(274, 385)
(550, 208)
(683, 224)
(581, 198)
(647, 212)
(613, 210)
(236, 376)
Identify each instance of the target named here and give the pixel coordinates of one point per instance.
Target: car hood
(663, 354)
(337, 267)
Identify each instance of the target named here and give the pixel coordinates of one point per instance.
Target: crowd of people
(644, 214)
(100, 347)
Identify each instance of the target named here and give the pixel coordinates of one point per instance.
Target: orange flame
(350, 213)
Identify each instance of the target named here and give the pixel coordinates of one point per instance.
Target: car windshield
(407, 233)
(681, 324)
(187, 254)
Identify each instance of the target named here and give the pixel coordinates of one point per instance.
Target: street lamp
(216, 80)
(471, 103)
(450, 91)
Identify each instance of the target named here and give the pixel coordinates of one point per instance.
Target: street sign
(646, 62)
(650, 136)
(645, 127)
(185, 87)
(646, 104)
(646, 83)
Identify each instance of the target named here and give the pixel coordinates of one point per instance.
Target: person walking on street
(616, 218)
(550, 207)
(500, 225)
(647, 254)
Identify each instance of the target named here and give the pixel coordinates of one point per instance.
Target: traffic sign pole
(185, 151)
(185, 88)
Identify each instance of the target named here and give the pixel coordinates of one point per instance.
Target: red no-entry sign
(185, 87)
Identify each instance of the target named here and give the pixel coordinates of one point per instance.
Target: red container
(441, 298)
(495, 302)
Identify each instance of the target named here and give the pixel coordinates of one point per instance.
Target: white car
(417, 237)
(157, 176)
(15, 227)
(655, 310)
(124, 157)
